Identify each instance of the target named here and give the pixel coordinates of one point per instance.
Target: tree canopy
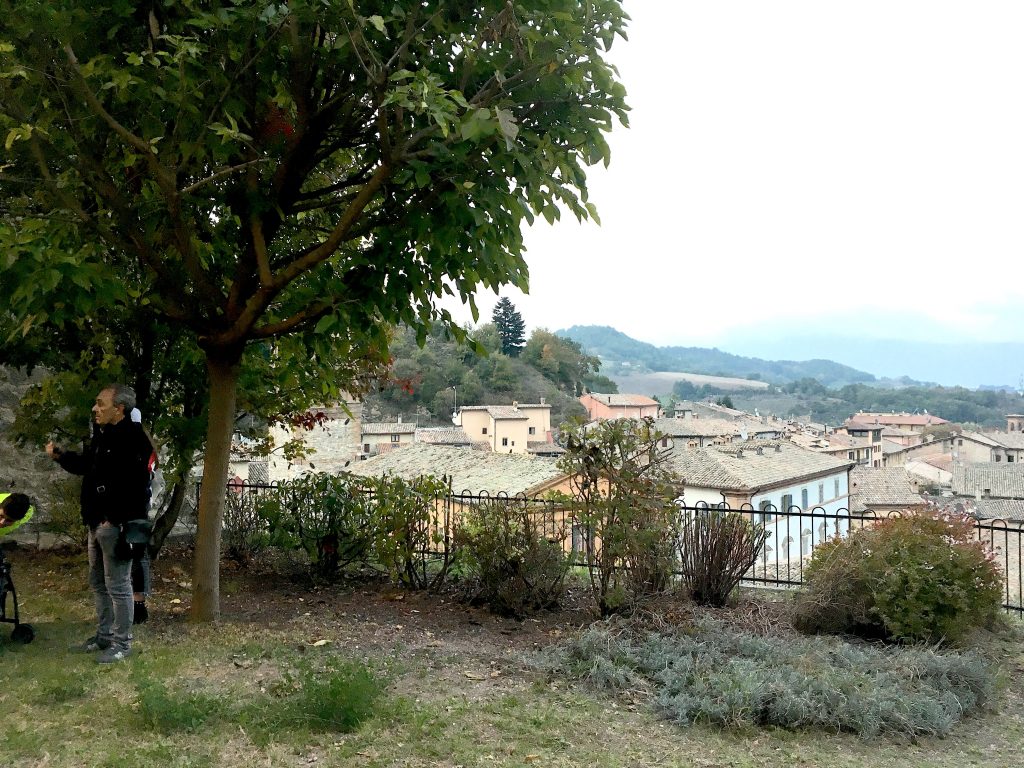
(510, 326)
(244, 171)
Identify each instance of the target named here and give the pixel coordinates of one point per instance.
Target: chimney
(515, 405)
(542, 401)
(760, 451)
(399, 418)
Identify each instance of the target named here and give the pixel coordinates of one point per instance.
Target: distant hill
(619, 352)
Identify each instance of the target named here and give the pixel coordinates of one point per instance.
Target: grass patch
(335, 697)
(256, 689)
(718, 675)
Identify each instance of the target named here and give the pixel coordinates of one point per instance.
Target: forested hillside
(615, 348)
(426, 380)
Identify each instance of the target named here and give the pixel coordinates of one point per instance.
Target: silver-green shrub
(715, 674)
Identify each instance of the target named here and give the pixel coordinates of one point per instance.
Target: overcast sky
(797, 167)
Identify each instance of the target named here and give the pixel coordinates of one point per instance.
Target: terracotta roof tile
(1004, 481)
(471, 470)
(741, 467)
(874, 487)
(388, 428)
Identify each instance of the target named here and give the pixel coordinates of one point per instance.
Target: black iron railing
(792, 534)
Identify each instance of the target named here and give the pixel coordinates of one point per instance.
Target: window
(837, 487)
(960, 442)
(1009, 458)
(504, 441)
(998, 458)
(366, 447)
(483, 431)
(766, 515)
(787, 502)
(850, 455)
(804, 494)
(394, 438)
(533, 430)
(821, 493)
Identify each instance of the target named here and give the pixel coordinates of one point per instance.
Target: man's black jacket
(115, 466)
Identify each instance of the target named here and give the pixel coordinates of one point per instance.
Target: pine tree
(510, 325)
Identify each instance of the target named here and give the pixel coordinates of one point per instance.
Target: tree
(625, 497)
(563, 361)
(247, 171)
(510, 325)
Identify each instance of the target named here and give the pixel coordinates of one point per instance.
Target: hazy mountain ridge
(616, 348)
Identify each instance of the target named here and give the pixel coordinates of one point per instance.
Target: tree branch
(222, 173)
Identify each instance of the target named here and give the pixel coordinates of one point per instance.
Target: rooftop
(1003, 481)
(443, 436)
(470, 470)
(622, 400)
(874, 487)
(751, 466)
(388, 428)
(914, 419)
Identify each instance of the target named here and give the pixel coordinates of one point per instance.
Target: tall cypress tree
(510, 325)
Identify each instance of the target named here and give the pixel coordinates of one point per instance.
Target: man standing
(115, 489)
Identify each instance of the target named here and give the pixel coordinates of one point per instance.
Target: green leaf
(326, 323)
(378, 22)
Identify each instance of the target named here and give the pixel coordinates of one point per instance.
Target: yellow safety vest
(10, 528)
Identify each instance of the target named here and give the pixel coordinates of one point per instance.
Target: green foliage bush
(919, 578)
(712, 673)
(330, 517)
(624, 495)
(411, 541)
(715, 549)
(64, 518)
(246, 529)
(515, 568)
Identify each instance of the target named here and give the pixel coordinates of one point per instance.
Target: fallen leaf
(319, 643)
(474, 676)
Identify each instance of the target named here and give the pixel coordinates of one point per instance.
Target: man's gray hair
(122, 394)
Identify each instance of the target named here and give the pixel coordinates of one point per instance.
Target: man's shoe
(93, 644)
(112, 655)
(141, 613)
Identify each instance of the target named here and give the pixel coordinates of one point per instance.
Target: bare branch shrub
(716, 548)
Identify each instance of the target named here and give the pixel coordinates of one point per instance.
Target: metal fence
(792, 535)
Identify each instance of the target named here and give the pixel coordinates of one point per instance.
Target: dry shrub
(715, 549)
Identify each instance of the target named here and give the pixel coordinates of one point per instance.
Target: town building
(384, 436)
(883, 491)
(507, 428)
(781, 482)
(602, 407)
(911, 422)
(469, 471)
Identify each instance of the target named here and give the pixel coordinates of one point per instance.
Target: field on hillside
(661, 382)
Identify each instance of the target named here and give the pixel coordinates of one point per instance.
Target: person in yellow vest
(15, 510)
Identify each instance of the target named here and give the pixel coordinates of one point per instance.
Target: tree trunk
(222, 373)
(165, 522)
